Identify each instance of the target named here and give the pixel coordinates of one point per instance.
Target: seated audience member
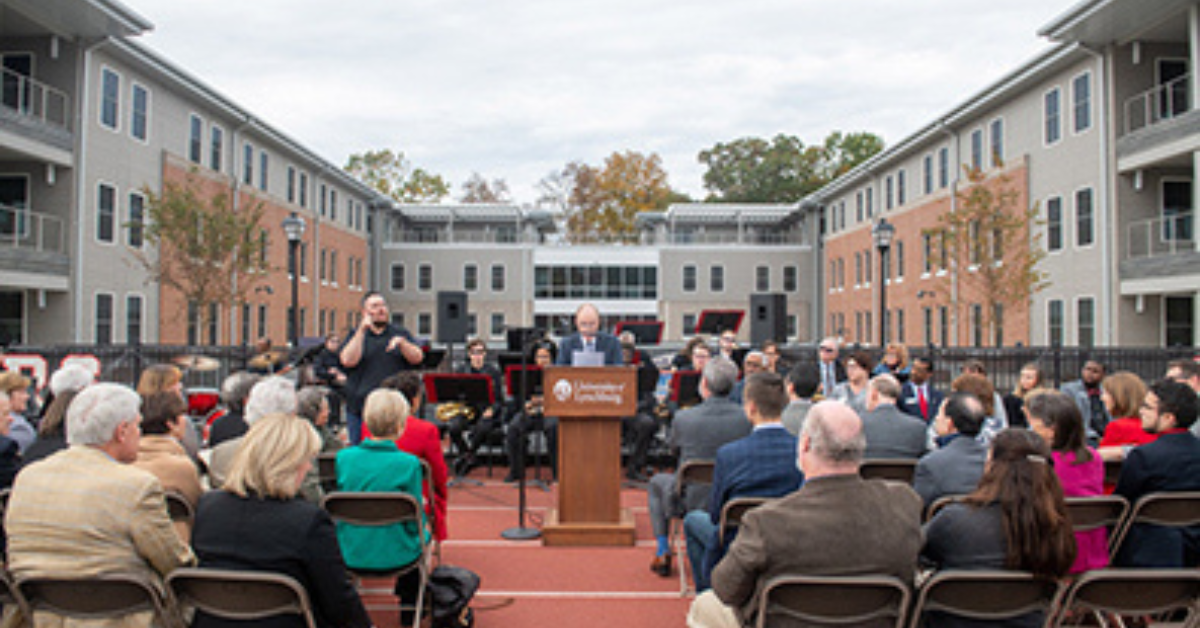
(1015, 520)
(894, 362)
(288, 535)
(270, 395)
(762, 464)
(312, 405)
(1086, 393)
(1186, 371)
(1169, 464)
(727, 344)
(164, 420)
(918, 396)
(803, 382)
(683, 360)
(1031, 380)
(16, 386)
(164, 377)
(531, 418)
(770, 351)
(641, 427)
(696, 433)
(65, 384)
(1122, 394)
(376, 465)
(1055, 417)
(10, 453)
(997, 416)
(420, 438)
(954, 469)
(87, 512)
(487, 416)
(833, 372)
(754, 362)
(853, 391)
(836, 524)
(890, 433)
(234, 391)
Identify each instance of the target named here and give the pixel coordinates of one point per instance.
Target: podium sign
(589, 402)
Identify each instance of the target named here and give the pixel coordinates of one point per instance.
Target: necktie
(923, 401)
(590, 345)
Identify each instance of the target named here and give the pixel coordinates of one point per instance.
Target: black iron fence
(124, 363)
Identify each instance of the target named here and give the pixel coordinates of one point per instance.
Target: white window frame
(1046, 141)
(129, 218)
(683, 277)
(115, 211)
(199, 160)
(465, 266)
(1095, 316)
(1050, 324)
(116, 126)
(432, 278)
(711, 274)
(1062, 230)
(978, 157)
(1075, 215)
(142, 323)
(112, 319)
(1075, 130)
(994, 157)
(215, 129)
(133, 86)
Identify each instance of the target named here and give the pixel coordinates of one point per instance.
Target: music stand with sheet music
(518, 338)
(716, 321)
(523, 382)
(433, 359)
(473, 389)
(685, 388)
(644, 332)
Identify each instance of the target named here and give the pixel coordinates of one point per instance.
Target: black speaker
(768, 318)
(452, 317)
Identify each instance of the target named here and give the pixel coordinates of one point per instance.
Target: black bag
(450, 592)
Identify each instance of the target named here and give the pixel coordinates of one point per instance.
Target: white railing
(1160, 237)
(23, 229)
(1158, 103)
(28, 97)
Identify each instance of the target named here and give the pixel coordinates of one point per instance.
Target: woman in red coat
(421, 439)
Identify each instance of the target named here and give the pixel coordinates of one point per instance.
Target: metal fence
(124, 363)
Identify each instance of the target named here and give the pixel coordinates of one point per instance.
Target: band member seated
(480, 419)
(528, 417)
(641, 427)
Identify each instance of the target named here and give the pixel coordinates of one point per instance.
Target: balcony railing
(1159, 103)
(33, 99)
(23, 229)
(1160, 237)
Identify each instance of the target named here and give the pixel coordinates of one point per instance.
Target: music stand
(685, 388)
(716, 321)
(507, 359)
(518, 338)
(644, 332)
(473, 389)
(433, 359)
(523, 382)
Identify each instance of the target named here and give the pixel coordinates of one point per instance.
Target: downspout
(81, 182)
(956, 163)
(1107, 245)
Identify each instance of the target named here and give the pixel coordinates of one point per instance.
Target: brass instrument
(453, 409)
(533, 407)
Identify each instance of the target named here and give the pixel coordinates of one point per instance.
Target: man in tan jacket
(86, 511)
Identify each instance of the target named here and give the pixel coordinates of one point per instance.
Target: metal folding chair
(894, 469)
(986, 595)
(733, 511)
(689, 473)
(832, 601)
(240, 595)
(1173, 510)
(97, 597)
(1133, 593)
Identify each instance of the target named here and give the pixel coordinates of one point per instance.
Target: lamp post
(882, 234)
(293, 226)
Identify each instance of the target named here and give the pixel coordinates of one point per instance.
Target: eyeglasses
(827, 349)
(728, 339)
(478, 352)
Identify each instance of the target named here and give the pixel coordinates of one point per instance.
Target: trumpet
(453, 409)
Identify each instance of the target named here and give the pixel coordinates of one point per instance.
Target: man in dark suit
(588, 339)
(836, 524)
(954, 469)
(762, 464)
(890, 432)
(832, 370)
(918, 397)
(696, 433)
(1170, 464)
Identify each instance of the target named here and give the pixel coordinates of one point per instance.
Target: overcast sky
(515, 89)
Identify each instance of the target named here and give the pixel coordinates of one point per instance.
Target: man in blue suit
(589, 339)
(918, 397)
(954, 469)
(762, 464)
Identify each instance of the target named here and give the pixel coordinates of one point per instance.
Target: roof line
(1056, 28)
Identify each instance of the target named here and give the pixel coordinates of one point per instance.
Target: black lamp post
(293, 226)
(882, 233)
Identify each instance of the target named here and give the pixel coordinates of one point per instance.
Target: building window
(1087, 321)
(867, 267)
(497, 325)
(472, 325)
(110, 98)
(195, 138)
(870, 202)
(323, 265)
(104, 318)
(791, 275)
(1081, 97)
(245, 323)
(303, 255)
(901, 193)
(887, 192)
(291, 184)
(248, 163)
(139, 119)
(944, 325)
(927, 174)
(858, 270)
(899, 325)
(425, 277)
(997, 143)
(762, 279)
(689, 278)
(1084, 221)
(927, 319)
(470, 277)
(977, 149)
(926, 253)
(689, 324)
(858, 205)
(217, 146)
(333, 267)
(214, 324)
(1053, 116)
(998, 324)
(498, 278)
(792, 326)
(424, 324)
(1055, 322)
(323, 200)
(943, 167)
(303, 189)
(106, 214)
(1054, 234)
(899, 253)
(264, 161)
(137, 217)
(262, 321)
(976, 325)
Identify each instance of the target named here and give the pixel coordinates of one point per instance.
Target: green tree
(991, 250)
(394, 176)
(782, 170)
(479, 190)
(602, 203)
(197, 246)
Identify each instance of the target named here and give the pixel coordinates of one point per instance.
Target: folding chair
(385, 509)
(432, 513)
(894, 469)
(986, 595)
(10, 596)
(240, 595)
(690, 472)
(1112, 471)
(97, 597)
(1133, 593)
(733, 511)
(327, 471)
(179, 508)
(832, 601)
(1098, 511)
(1175, 510)
(939, 504)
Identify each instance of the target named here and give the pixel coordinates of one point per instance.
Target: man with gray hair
(271, 395)
(86, 512)
(234, 391)
(754, 362)
(890, 433)
(836, 524)
(697, 433)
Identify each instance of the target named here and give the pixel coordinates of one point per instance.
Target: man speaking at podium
(588, 343)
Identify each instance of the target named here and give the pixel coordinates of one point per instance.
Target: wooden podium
(589, 403)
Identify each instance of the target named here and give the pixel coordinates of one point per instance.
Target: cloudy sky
(515, 89)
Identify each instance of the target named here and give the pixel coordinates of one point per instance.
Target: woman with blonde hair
(257, 523)
(16, 386)
(894, 362)
(160, 378)
(1123, 394)
(1031, 380)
